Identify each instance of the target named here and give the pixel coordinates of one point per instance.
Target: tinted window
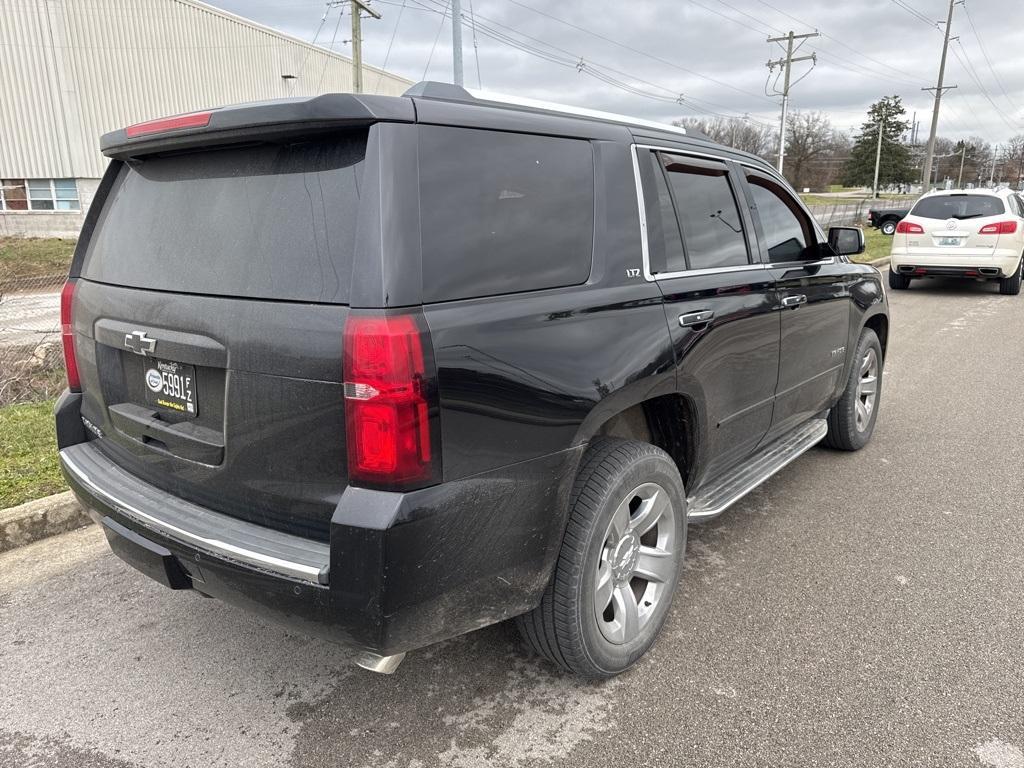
(784, 227)
(267, 222)
(663, 232)
(708, 215)
(958, 207)
(503, 212)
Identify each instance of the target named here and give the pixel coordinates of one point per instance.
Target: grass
(811, 199)
(22, 257)
(28, 445)
(878, 245)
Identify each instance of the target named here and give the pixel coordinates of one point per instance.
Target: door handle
(794, 301)
(691, 319)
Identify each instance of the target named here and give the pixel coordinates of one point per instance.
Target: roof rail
(433, 90)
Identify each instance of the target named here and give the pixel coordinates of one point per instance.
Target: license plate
(949, 241)
(172, 386)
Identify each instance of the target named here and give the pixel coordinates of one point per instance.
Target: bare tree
(810, 138)
(740, 133)
(1012, 170)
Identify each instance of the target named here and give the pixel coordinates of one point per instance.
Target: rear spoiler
(266, 120)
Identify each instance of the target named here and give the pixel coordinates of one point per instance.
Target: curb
(40, 519)
(878, 262)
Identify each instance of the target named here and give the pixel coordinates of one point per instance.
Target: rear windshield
(958, 207)
(269, 221)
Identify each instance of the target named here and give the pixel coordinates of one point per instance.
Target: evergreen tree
(895, 166)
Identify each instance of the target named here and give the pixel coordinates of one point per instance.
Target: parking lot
(857, 610)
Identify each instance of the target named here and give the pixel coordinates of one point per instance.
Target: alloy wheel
(636, 564)
(867, 389)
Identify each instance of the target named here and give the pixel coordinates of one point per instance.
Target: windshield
(958, 207)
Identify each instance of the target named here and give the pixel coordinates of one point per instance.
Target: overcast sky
(711, 52)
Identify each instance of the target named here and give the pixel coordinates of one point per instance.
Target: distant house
(73, 70)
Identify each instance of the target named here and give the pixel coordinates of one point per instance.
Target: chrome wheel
(637, 562)
(867, 389)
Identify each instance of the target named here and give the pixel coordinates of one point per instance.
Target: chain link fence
(31, 358)
(851, 214)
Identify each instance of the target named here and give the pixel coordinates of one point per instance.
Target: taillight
(390, 401)
(999, 228)
(67, 336)
(191, 120)
(909, 228)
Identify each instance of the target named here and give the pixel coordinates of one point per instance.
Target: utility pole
(878, 156)
(357, 43)
(457, 41)
(939, 89)
(992, 176)
(960, 177)
(787, 63)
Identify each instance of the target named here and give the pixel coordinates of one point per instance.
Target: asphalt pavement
(857, 610)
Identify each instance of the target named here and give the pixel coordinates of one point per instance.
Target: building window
(39, 195)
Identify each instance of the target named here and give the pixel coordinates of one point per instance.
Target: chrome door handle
(794, 301)
(690, 319)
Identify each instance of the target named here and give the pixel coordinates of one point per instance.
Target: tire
(849, 426)
(897, 281)
(1010, 286)
(620, 484)
(888, 227)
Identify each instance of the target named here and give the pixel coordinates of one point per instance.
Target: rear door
(812, 295)
(718, 299)
(210, 307)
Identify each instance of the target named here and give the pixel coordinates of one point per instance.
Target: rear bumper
(944, 262)
(401, 570)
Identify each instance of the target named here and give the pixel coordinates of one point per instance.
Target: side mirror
(846, 241)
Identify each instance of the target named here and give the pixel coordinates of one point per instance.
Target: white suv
(970, 233)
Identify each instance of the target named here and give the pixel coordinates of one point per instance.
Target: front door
(813, 299)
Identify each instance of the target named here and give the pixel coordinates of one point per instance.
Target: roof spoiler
(266, 120)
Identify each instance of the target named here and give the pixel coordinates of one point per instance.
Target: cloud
(711, 53)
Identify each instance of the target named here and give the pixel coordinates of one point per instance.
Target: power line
(916, 14)
(972, 72)
(599, 71)
(886, 68)
(476, 47)
(981, 45)
(834, 59)
(436, 38)
(330, 47)
(632, 49)
(391, 42)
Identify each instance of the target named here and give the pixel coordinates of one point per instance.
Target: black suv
(393, 369)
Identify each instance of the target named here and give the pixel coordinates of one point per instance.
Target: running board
(725, 491)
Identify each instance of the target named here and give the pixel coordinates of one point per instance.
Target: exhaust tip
(905, 268)
(374, 662)
(988, 271)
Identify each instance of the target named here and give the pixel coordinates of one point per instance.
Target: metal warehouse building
(75, 69)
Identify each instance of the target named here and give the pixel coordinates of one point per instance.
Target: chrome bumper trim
(209, 540)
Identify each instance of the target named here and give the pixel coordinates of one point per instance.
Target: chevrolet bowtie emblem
(139, 343)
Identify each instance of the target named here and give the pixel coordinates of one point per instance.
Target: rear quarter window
(958, 207)
(503, 212)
